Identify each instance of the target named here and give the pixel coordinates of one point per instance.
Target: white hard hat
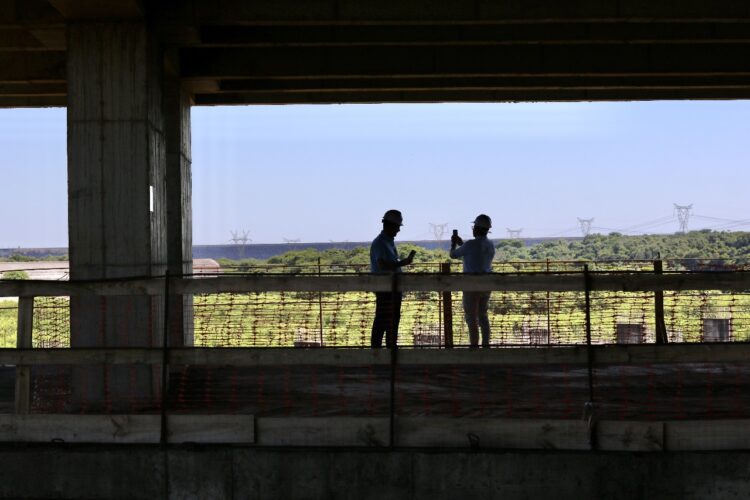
(483, 221)
(394, 217)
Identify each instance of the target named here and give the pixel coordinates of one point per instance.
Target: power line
(654, 222)
(564, 231)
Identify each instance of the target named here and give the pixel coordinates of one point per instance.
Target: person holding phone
(477, 255)
(384, 258)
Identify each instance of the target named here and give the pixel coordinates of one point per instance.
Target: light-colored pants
(475, 312)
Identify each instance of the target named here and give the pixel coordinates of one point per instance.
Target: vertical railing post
(320, 305)
(549, 322)
(589, 406)
(445, 268)
(660, 325)
(23, 341)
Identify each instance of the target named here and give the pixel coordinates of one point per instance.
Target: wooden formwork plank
(630, 436)
(696, 435)
(81, 356)
(234, 429)
(127, 429)
(492, 433)
(325, 431)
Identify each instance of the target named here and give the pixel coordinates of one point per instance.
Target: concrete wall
(225, 472)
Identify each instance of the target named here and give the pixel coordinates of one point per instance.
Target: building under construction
(137, 379)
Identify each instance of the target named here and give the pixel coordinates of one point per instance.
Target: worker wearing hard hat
(384, 258)
(477, 255)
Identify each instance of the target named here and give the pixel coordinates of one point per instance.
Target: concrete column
(177, 103)
(116, 199)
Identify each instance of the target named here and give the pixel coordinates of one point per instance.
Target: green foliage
(703, 244)
(15, 275)
(8, 318)
(17, 257)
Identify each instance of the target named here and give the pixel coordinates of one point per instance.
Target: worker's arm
(392, 266)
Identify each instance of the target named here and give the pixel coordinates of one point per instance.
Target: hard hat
(394, 217)
(483, 221)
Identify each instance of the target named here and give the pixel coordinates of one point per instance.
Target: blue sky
(319, 173)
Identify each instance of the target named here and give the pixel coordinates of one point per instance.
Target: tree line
(704, 244)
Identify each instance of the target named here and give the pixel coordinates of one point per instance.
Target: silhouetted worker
(384, 258)
(477, 255)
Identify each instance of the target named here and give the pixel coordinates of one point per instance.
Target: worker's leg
(394, 318)
(483, 305)
(382, 318)
(470, 313)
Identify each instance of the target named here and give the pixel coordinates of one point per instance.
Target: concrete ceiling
(333, 51)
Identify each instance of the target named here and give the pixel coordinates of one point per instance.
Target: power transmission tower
(585, 225)
(240, 238)
(439, 230)
(514, 234)
(683, 215)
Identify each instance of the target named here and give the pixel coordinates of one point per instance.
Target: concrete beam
(26, 39)
(512, 83)
(388, 11)
(99, 10)
(32, 89)
(17, 13)
(35, 101)
(529, 60)
(473, 34)
(437, 96)
(24, 66)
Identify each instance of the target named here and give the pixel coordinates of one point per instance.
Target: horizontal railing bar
(408, 282)
(45, 288)
(260, 356)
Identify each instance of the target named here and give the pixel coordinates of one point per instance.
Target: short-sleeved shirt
(477, 254)
(384, 248)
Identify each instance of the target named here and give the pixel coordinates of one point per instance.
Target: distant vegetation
(14, 275)
(705, 244)
(359, 256)
(17, 257)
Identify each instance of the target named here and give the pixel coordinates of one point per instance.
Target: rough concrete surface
(208, 472)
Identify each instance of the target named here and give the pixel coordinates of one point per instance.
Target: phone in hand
(412, 254)
(455, 239)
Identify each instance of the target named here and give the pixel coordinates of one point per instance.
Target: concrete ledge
(208, 472)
